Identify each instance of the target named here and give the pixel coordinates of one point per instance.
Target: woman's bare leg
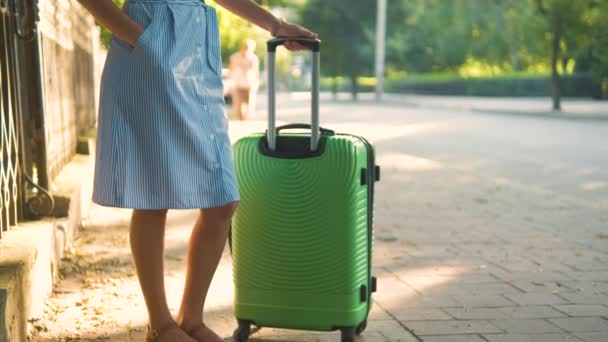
(237, 103)
(147, 234)
(244, 103)
(207, 242)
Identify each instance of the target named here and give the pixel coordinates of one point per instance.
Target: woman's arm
(256, 14)
(110, 16)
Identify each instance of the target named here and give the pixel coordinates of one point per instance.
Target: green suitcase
(301, 239)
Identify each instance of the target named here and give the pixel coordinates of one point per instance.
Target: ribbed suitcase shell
(301, 247)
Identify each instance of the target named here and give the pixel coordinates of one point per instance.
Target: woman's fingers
(289, 30)
(307, 33)
(293, 46)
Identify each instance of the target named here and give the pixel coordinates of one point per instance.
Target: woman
(163, 142)
(244, 74)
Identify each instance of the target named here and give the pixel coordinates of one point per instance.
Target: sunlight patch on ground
(407, 285)
(594, 185)
(380, 132)
(432, 276)
(407, 162)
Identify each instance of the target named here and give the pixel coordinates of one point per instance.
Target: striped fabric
(162, 139)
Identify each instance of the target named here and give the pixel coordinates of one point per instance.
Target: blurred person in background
(244, 73)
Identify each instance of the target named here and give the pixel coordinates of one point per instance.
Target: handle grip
(314, 44)
(304, 126)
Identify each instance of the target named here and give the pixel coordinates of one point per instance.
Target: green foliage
(599, 43)
(515, 84)
(346, 29)
(234, 31)
(456, 37)
(577, 85)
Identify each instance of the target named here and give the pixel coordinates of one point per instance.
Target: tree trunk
(334, 87)
(555, 58)
(353, 86)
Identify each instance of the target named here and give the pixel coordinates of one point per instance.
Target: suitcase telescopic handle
(315, 46)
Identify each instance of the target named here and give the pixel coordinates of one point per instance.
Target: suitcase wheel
(241, 334)
(349, 334)
(361, 327)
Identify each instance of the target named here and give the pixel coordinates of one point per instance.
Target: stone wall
(70, 46)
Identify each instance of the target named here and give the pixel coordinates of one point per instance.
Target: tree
(347, 31)
(599, 45)
(568, 26)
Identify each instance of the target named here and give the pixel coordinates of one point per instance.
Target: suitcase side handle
(271, 133)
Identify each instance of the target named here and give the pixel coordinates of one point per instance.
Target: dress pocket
(142, 41)
(214, 57)
(146, 17)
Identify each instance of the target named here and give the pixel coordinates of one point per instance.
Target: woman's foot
(201, 333)
(169, 333)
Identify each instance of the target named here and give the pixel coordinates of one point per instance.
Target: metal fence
(47, 98)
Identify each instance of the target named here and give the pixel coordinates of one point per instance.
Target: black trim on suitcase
(364, 293)
(363, 176)
(292, 147)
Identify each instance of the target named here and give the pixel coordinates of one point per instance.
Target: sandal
(154, 334)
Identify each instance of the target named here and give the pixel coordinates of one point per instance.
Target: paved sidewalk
(461, 256)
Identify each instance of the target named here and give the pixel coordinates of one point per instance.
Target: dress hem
(162, 207)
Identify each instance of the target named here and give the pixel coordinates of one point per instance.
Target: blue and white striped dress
(162, 138)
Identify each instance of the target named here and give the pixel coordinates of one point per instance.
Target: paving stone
(584, 298)
(532, 338)
(583, 310)
(530, 312)
(393, 293)
(452, 327)
(392, 331)
(476, 313)
(581, 324)
(540, 287)
(525, 326)
(428, 302)
(594, 275)
(588, 286)
(420, 314)
(536, 299)
(453, 338)
(483, 301)
(593, 336)
(497, 288)
(535, 277)
(378, 314)
(477, 279)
